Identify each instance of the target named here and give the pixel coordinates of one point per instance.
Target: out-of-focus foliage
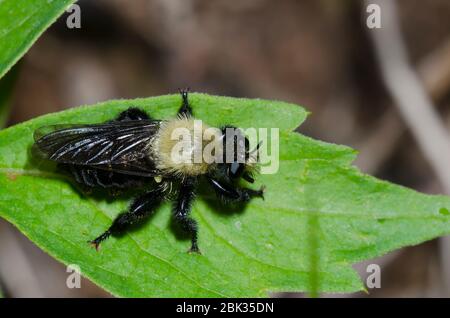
(21, 23)
(6, 90)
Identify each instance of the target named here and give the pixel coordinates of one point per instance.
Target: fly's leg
(185, 109)
(141, 208)
(182, 209)
(228, 192)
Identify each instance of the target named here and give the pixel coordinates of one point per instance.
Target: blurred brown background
(318, 54)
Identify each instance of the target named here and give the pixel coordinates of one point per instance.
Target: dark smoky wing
(123, 145)
(68, 131)
(45, 130)
(52, 138)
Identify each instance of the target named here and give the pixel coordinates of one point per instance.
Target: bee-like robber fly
(135, 150)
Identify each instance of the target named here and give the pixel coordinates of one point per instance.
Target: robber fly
(135, 150)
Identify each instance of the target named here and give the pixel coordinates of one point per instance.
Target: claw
(261, 191)
(95, 244)
(184, 91)
(194, 249)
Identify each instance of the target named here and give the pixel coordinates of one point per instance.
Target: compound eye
(236, 169)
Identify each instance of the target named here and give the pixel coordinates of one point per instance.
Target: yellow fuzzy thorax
(179, 147)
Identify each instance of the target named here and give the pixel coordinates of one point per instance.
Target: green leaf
(21, 23)
(319, 217)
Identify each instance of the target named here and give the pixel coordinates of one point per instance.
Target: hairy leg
(228, 192)
(182, 208)
(185, 109)
(141, 208)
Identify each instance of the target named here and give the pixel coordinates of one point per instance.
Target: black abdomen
(91, 177)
